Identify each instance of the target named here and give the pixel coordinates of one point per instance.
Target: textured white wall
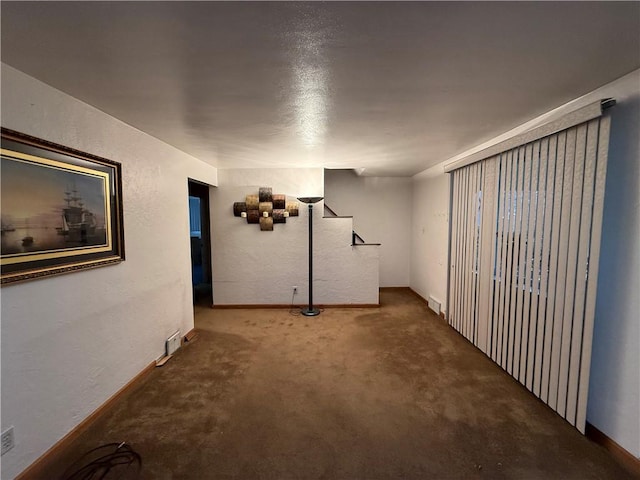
(381, 210)
(70, 342)
(255, 267)
(430, 236)
(614, 389)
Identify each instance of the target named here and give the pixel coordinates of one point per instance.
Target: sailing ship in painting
(49, 211)
(7, 227)
(78, 223)
(70, 225)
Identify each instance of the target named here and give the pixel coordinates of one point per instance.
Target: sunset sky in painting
(37, 192)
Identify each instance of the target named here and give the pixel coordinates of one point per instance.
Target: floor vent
(434, 305)
(173, 343)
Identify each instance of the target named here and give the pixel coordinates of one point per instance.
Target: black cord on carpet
(101, 461)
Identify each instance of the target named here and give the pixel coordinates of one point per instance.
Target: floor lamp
(310, 311)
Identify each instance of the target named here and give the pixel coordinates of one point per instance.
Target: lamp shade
(310, 199)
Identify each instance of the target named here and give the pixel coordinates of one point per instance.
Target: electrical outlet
(7, 440)
(295, 289)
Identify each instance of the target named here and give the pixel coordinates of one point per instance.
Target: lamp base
(310, 312)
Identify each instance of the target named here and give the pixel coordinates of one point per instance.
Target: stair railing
(355, 238)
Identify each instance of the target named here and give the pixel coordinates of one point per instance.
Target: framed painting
(60, 209)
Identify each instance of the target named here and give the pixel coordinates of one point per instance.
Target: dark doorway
(200, 232)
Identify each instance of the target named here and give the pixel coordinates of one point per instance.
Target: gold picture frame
(61, 209)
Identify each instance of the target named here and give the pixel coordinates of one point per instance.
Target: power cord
(292, 310)
(98, 468)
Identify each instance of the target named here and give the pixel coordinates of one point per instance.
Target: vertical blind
(525, 242)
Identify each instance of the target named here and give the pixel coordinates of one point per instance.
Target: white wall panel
(429, 236)
(70, 342)
(257, 267)
(381, 208)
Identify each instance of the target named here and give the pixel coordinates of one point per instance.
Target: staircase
(355, 238)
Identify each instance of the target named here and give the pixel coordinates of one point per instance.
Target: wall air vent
(173, 343)
(434, 304)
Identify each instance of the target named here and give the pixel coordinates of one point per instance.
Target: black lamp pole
(310, 311)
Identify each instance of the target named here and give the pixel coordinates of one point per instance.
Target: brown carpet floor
(370, 393)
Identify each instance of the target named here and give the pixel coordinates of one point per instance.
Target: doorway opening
(200, 233)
